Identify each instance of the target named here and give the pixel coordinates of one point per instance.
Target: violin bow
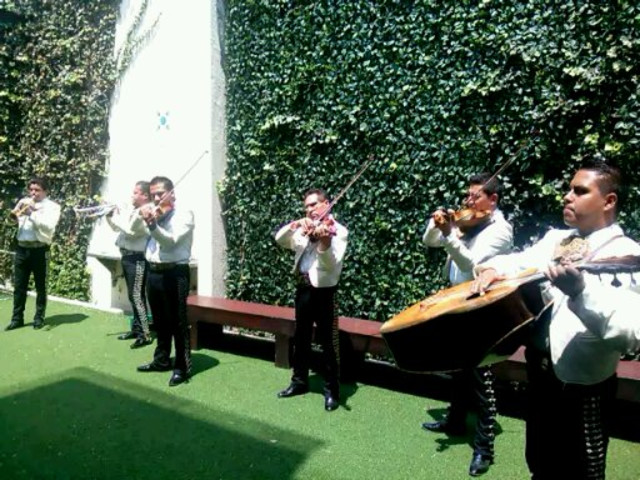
(364, 166)
(184, 175)
(506, 164)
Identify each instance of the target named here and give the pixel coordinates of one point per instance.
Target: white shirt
(587, 334)
(464, 254)
(171, 240)
(41, 224)
(323, 267)
(133, 230)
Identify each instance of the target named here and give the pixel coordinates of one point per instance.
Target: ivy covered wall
(435, 91)
(56, 80)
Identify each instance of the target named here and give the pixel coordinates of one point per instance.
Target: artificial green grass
(72, 406)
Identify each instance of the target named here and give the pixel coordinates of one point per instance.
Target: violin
(465, 219)
(326, 227)
(152, 213)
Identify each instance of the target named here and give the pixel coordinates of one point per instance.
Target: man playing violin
(168, 252)
(475, 236)
(319, 243)
(132, 241)
(574, 347)
(37, 218)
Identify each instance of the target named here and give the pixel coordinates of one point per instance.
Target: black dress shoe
(38, 324)
(141, 342)
(479, 464)
(177, 378)
(293, 390)
(127, 336)
(330, 402)
(444, 426)
(153, 367)
(14, 325)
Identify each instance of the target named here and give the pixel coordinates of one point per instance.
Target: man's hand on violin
(567, 278)
(148, 214)
(305, 223)
(443, 220)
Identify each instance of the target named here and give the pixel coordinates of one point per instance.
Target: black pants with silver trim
(567, 424)
(473, 390)
(167, 291)
(316, 306)
(135, 269)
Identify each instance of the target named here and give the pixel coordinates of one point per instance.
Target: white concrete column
(168, 109)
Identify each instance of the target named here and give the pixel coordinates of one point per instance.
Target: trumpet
(21, 207)
(96, 211)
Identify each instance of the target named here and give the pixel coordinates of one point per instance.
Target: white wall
(167, 111)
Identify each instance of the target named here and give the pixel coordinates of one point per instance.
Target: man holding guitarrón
(574, 349)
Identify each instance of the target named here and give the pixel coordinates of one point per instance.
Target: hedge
(436, 91)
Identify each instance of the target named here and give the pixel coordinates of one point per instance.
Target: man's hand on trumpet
(25, 206)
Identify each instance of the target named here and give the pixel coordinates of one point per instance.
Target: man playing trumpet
(37, 217)
(132, 241)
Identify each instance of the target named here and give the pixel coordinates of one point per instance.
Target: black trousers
(473, 389)
(135, 269)
(567, 424)
(167, 291)
(316, 306)
(28, 261)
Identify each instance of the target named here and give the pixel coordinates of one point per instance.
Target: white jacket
(323, 268)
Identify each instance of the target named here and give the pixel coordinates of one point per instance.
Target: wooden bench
(363, 335)
(514, 369)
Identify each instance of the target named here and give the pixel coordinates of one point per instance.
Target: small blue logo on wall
(163, 120)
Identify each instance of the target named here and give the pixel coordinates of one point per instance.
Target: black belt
(302, 279)
(34, 244)
(125, 252)
(161, 267)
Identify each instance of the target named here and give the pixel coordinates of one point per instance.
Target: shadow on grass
(54, 321)
(94, 426)
(201, 363)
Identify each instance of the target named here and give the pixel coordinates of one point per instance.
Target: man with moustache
(319, 243)
(168, 252)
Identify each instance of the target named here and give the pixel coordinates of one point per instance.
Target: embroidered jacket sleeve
(608, 312)
(182, 224)
(132, 224)
(536, 256)
(496, 238)
(332, 257)
(286, 237)
(432, 236)
(45, 220)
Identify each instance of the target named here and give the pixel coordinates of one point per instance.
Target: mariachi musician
(132, 242)
(37, 217)
(471, 236)
(168, 252)
(319, 243)
(574, 349)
